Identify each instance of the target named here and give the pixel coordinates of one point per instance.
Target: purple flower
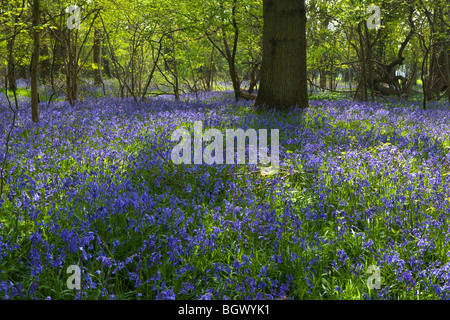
(106, 262)
(167, 294)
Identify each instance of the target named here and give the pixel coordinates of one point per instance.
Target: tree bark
(362, 87)
(447, 57)
(11, 74)
(44, 63)
(71, 68)
(255, 75)
(231, 54)
(35, 62)
(323, 79)
(105, 60)
(96, 57)
(283, 69)
(11, 69)
(369, 62)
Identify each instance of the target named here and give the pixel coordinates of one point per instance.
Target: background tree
(146, 48)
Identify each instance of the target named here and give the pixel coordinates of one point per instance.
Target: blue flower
(167, 294)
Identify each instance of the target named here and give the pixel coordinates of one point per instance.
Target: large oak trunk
(283, 70)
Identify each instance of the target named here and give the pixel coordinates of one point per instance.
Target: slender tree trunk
(330, 69)
(432, 74)
(105, 60)
(323, 72)
(369, 62)
(11, 73)
(71, 69)
(230, 55)
(254, 77)
(58, 51)
(349, 69)
(446, 51)
(323, 79)
(96, 57)
(362, 88)
(448, 83)
(211, 69)
(44, 64)
(11, 61)
(194, 78)
(35, 62)
(447, 62)
(447, 54)
(283, 70)
(175, 71)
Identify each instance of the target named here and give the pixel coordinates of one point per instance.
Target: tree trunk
(176, 87)
(11, 61)
(369, 62)
(211, 69)
(231, 54)
(283, 69)
(35, 63)
(447, 62)
(331, 73)
(44, 64)
(323, 79)
(96, 57)
(58, 52)
(255, 74)
(448, 76)
(105, 61)
(362, 88)
(71, 68)
(11, 72)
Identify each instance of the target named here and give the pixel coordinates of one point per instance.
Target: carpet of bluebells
(93, 185)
